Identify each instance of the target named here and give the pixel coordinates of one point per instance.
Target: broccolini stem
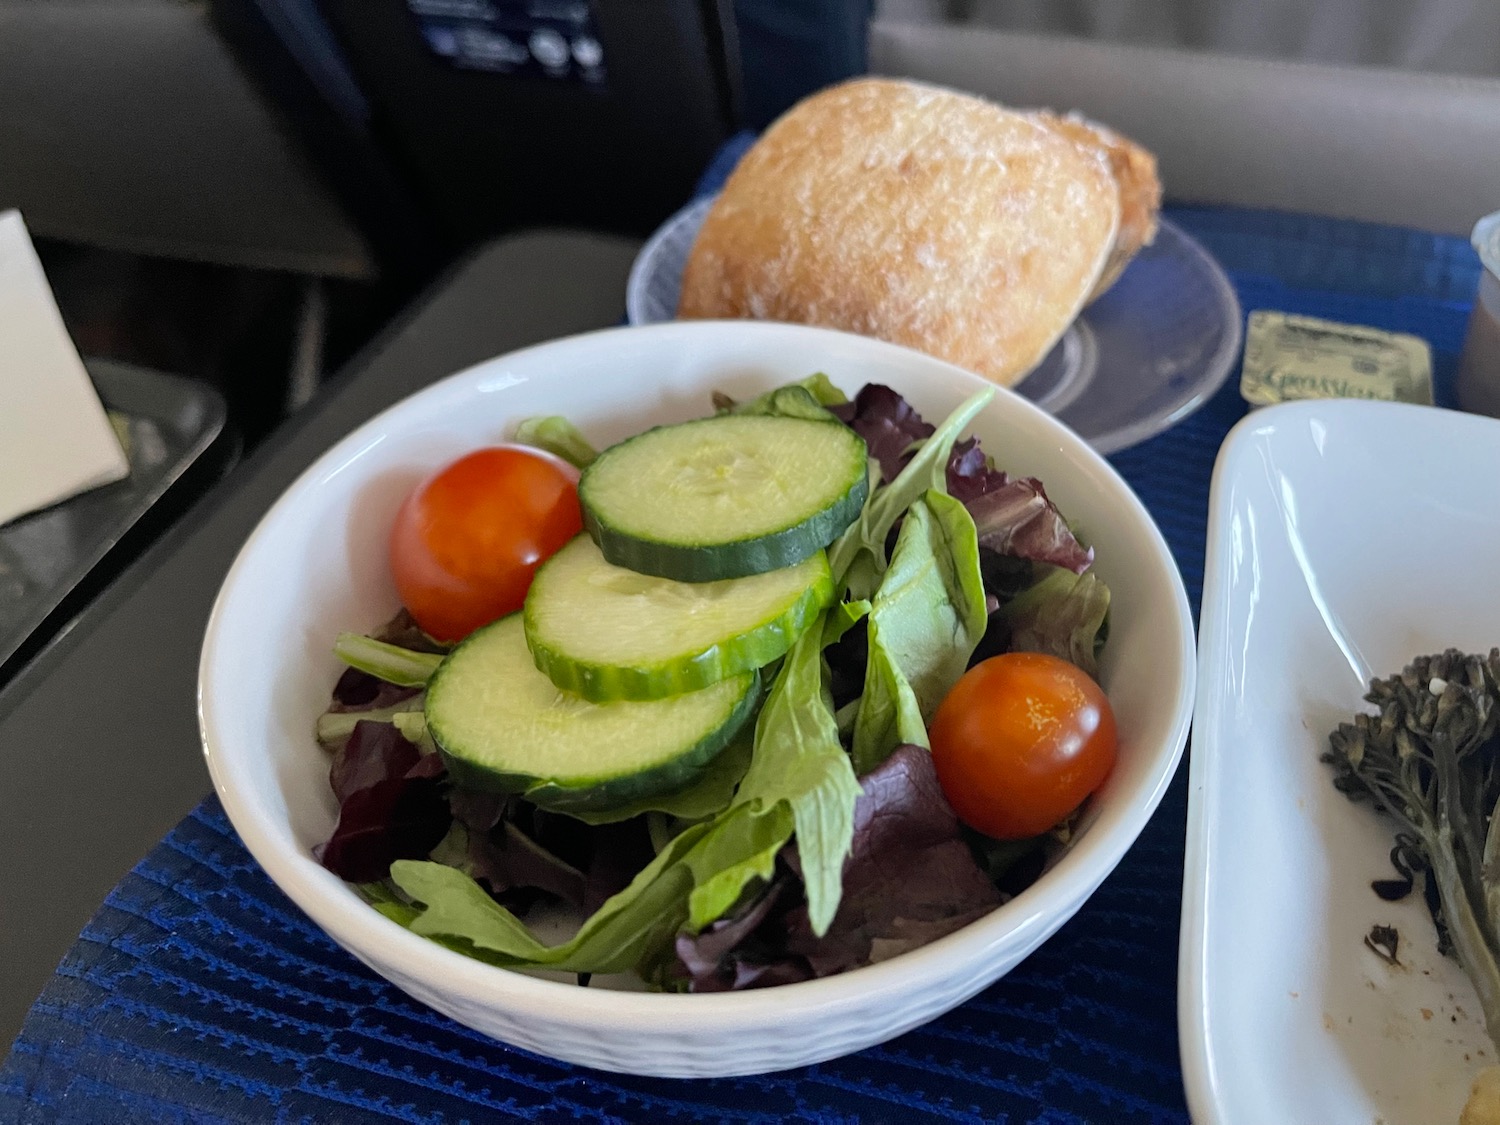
(1490, 879)
(1466, 931)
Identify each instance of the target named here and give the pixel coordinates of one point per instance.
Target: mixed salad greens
(713, 742)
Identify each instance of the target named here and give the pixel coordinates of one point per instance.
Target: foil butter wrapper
(1299, 357)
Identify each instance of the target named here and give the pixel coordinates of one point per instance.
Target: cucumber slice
(501, 725)
(724, 497)
(609, 633)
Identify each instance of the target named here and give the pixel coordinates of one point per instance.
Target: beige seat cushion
(1359, 142)
(1435, 36)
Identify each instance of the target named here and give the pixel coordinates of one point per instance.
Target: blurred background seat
(178, 223)
(1399, 146)
(127, 125)
(1432, 36)
(245, 190)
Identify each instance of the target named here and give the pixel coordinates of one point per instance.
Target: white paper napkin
(55, 439)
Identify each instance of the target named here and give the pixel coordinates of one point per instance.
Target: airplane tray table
(198, 993)
(48, 558)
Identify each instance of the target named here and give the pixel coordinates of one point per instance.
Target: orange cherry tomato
(468, 539)
(1019, 743)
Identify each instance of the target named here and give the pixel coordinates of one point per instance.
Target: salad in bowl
(729, 690)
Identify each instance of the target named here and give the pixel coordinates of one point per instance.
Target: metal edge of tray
(192, 413)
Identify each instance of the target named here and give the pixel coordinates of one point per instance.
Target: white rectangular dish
(1344, 539)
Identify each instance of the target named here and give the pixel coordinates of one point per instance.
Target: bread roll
(1134, 170)
(914, 214)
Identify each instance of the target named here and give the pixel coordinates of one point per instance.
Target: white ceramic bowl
(317, 565)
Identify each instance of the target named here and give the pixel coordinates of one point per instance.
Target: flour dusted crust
(1134, 170)
(913, 214)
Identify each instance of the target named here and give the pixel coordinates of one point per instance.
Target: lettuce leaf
(910, 878)
(888, 423)
(925, 621)
(822, 388)
(516, 867)
(334, 727)
(403, 667)
(742, 849)
(455, 909)
(360, 691)
(804, 398)
(388, 902)
(731, 954)
(373, 752)
(930, 608)
(1013, 514)
(841, 618)
(787, 402)
(639, 921)
(888, 712)
(701, 870)
(392, 805)
(857, 557)
(557, 436)
(1018, 520)
(709, 795)
(799, 761)
(1063, 614)
(971, 472)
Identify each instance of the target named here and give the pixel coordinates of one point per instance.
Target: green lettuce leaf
(788, 402)
(926, 619)
(930, 608)
(457, 911)
(709, 795)
(1063, 614)
(642, 918)
(456, 908)
(694, 879)
(413, 727)
(741, 848)
(888, 712)
(403, 667)
(858, 557)
(800, 761)
(805, 398)
(557, 436)
(334, 727)
(822, 388)
(841, 618)
(385, 900)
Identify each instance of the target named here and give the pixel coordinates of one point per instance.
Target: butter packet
(1296, 357)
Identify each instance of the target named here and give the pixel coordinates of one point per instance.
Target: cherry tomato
(1019, 743)
(468, 539)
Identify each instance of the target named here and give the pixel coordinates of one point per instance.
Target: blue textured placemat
(200, 994)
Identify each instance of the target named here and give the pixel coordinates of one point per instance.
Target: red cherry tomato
(1019, 743)
(467, 540)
